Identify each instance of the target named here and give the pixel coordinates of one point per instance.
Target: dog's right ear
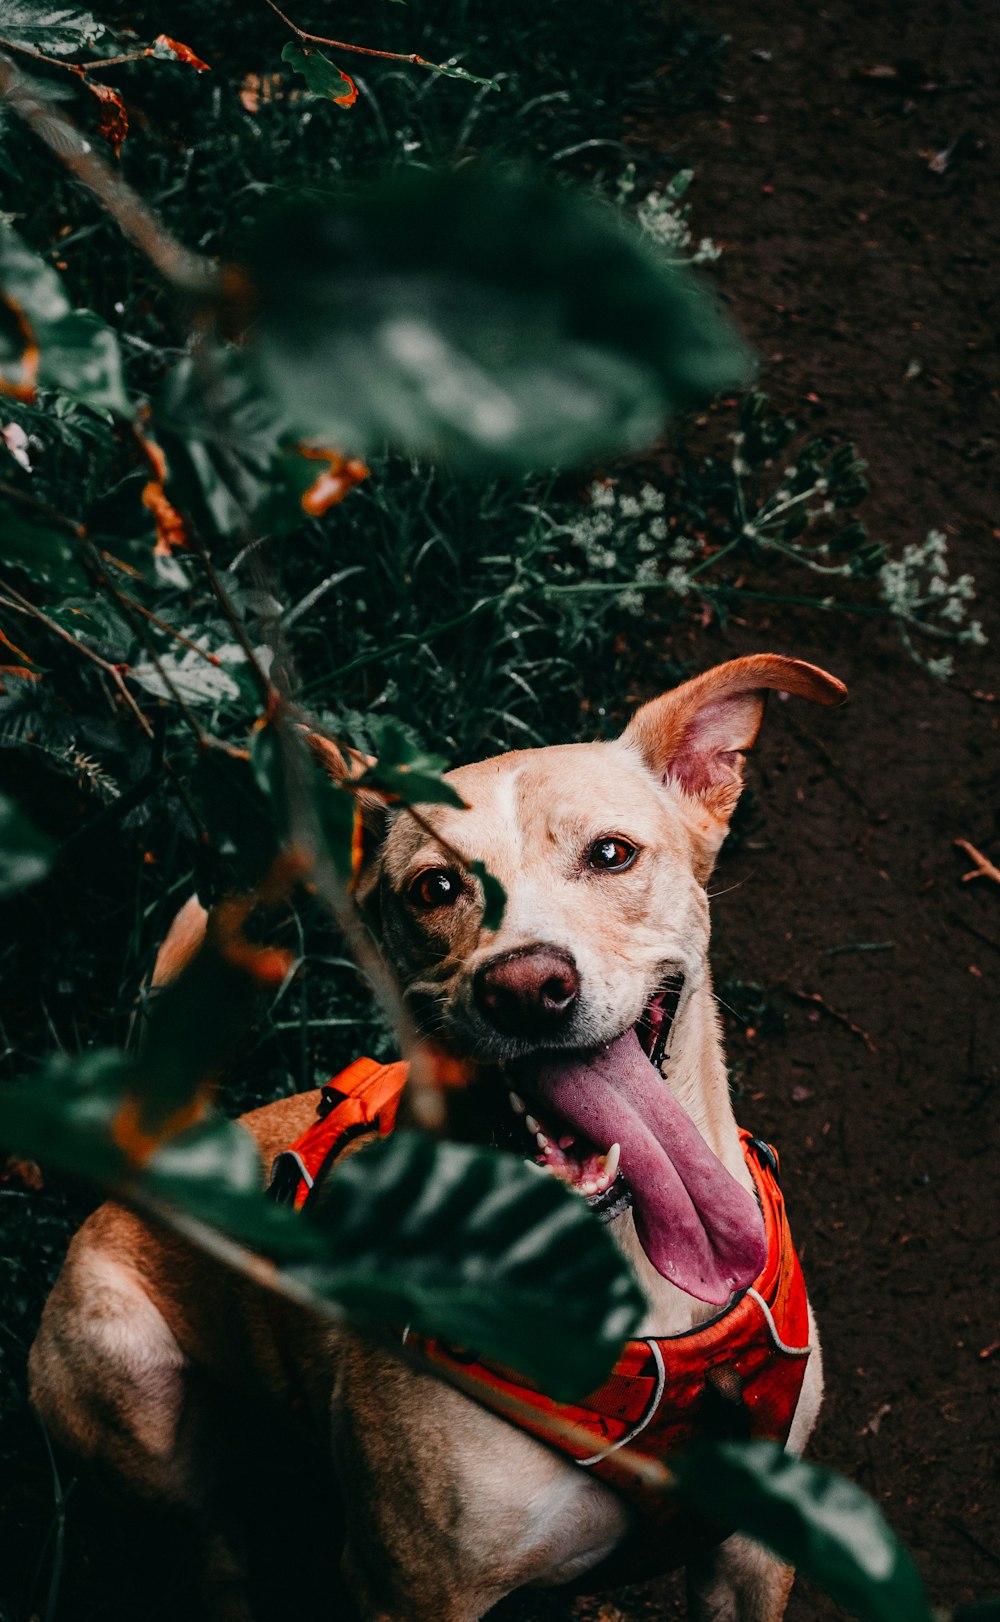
(698, 734)
(342, 764)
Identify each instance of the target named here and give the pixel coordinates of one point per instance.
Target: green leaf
(187, 675)
(470, 1244)
(480, 1248)
(451, 70)
(494, 895)
(55, 30)
(77, 352)
(232, 458)
(337, 810)
(405, 771)
(25, 854)
(47, 553)
(322, 76)
(483, 318)
(819, 1522)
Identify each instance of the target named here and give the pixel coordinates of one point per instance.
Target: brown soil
(847, 258)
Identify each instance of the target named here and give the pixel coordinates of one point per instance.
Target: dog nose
(531, 992)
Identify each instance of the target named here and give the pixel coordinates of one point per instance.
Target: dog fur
(447, 1508)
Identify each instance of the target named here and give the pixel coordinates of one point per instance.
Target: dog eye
(437, 887)
(612, 854)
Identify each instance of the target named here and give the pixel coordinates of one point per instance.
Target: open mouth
(608, 1125)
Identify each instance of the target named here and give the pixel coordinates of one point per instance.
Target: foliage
(816, 1521)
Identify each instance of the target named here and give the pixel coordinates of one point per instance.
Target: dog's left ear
(698, 734)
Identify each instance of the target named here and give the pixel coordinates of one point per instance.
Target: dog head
(603, 850)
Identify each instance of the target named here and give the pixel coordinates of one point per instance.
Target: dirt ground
(866, 279)
(850, 262)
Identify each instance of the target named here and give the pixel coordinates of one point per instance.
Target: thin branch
(185, 271)
(983, 869)
(342, 45)
(25, 607)
(79, 68)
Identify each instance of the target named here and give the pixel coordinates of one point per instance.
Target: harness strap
(365, 1096)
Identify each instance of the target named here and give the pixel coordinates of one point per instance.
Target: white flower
(652, 500)
(678, 582)
(629, 507)
(658, 529)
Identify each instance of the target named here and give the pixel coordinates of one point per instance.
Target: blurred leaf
(494, 895)
(466, 1243)
(47, 553)
(56, 30)
(475, 1246)
(322, 76)
(405, 771)
(480, 317)
(339, 817)
(46, 343)
(818, 1521)
(25, 854)
(232, 457)
(984, 1610)
(237, 815)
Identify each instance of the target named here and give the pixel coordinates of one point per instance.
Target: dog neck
(695, 1070)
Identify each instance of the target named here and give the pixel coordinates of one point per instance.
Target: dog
(604, 850)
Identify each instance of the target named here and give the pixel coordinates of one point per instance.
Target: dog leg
(738, 1582)
(114, 1389)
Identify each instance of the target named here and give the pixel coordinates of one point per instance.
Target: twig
(359, 50)
(984, 868)
(834, 1013)
(109, 669)
(269, 693)
(187, 272)
(980, 934)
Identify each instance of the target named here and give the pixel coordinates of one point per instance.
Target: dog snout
(531, 992)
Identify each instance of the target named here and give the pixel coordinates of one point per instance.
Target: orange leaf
(137, 1142)
(112, 120)
(25, 389)
(336, 481)
(5, 639)
(171, 531)
(183, 53)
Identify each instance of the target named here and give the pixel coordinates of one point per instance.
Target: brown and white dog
(604, 850)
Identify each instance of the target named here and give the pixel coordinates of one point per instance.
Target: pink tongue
(699, 1228)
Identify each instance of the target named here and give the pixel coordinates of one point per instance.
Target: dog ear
(698, 734)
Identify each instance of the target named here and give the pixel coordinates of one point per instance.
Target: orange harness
(738, 1375)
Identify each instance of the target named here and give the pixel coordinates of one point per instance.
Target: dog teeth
(516, 1103)
(541, 1140)
(531, 1124)
(611, 1160)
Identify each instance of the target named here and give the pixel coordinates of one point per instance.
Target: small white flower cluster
(663, 219)
(918, 591)
(627, 536)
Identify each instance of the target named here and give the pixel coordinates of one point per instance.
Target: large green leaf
(77, 351)
(470, 1244)
(816, 1520)
(481, 317)
(25, 854)
(483, 1249)
(55, 30)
